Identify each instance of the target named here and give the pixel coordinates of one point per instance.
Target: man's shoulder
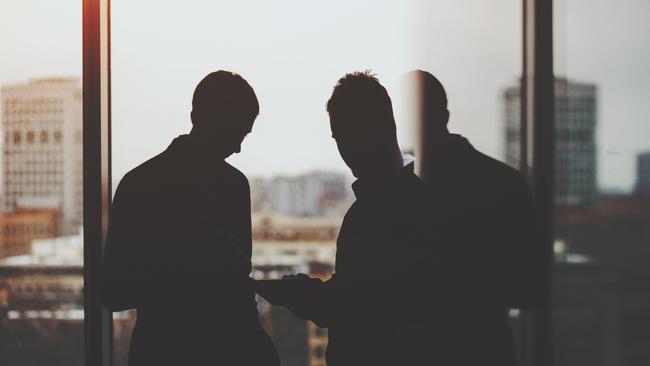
(144, 173)
(233, 174)
(498, 170)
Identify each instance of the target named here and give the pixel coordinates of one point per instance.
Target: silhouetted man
(383, 256)
(492, 259)
(179, 241)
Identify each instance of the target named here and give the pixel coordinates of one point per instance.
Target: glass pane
(292, 53)
(41, 242)
(602, 248)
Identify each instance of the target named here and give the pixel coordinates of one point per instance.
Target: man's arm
(242, 216)
(120, 275)
(321, 303)
(529, 257)
(405, 283)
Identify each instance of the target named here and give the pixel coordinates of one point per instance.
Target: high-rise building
(643, 174)
(42, 150)
(575, 139)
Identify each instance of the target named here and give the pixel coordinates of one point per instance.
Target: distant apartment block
(42, 148)
(643, 175)
(575, 139)
(314, 194)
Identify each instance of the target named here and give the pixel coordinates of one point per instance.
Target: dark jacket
(178, 250)
(426, 273)
(383, 266)
(487, 221)
(493, 260)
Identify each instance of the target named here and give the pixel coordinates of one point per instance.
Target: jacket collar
(371, 187)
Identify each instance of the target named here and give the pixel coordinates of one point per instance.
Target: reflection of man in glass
(179, 242)
(492, 261)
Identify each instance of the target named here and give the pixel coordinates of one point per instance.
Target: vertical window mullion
(538, 160)
(96, 165)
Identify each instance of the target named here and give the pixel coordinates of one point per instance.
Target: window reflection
(602, 302)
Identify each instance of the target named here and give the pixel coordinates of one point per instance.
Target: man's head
(432, 101)
(224, 107)
(362, 123)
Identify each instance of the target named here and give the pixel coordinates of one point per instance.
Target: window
(58, 137)
(41, 248)
(292, 55)
(293, 52)
(602, 210)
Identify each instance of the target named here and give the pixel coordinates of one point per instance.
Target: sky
(293, 51)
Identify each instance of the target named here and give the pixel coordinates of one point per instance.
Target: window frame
(537, 163)
(96, 174)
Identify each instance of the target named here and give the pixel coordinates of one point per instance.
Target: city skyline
(292, 52)
(474, 106)
(628, 187)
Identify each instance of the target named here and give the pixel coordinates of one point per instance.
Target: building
(41, 304)
(314, 194)
(643, 174)
(614, 232)
(587, 321)
(42, 151)
(272, 226)
(285, 245)
(259, 194)
(19, 228)
(48, 279)
(298, 342)
(575, 139)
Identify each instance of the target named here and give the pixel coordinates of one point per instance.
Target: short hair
(360, 96)
(432, 92)
(225, 93)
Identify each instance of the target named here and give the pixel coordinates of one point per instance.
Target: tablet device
(286, 292)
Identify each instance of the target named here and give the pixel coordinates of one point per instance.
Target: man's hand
(309, 302)
(299, 276)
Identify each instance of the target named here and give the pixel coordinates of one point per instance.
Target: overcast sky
(293, 51)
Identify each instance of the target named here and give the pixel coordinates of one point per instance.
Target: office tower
(42, 152)
(575, 139)
(643, 174)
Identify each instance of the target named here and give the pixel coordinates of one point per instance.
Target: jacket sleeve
(323, 302)
(377, 293)
(121, 278)
(243, 222)
(529, 262)
(389, 289)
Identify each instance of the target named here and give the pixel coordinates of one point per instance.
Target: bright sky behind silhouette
(293, 51)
